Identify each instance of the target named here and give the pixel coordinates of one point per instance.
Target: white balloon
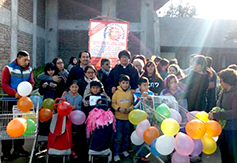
(215, 138)
(24, 88)
(135, 139)
(165, 144)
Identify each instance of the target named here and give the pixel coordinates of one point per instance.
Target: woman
(139, 64)
(227, 101)
(72, 63)
(196, 84)
(156, 83)
(176, 70)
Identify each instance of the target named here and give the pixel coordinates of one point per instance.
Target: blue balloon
(35, 99)
(153, 148)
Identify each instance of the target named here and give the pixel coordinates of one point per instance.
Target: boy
(122, 103)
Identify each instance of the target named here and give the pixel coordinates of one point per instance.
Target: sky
(211, 9)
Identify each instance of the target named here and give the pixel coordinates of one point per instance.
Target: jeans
(121, 138)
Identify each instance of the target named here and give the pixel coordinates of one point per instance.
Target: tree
(181, 9)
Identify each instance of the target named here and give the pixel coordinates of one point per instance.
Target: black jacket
(102, 77)
(76, 73)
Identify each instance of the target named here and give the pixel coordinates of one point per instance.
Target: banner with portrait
(106, 39)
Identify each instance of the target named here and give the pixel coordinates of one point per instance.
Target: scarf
(104, 71)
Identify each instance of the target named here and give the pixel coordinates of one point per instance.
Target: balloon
(213, 128)
(45, 114)
(198, 147)
(135, 139)
(31, 128)
(36, 99)
(150, 134)
(183, 144)
(77, 117)
(24, 104)
(30, 115)
(170, 127)
(165, 144)
(141, 127)
(48, 103)
(24, 88)
(177, 158)
(16, 127)
(153, 148)
(136, 116)
(195, 129)
(191, 115)
(218, 109)
(203, 116)
(164, 110)
(153, 57)
(175, 115)
(209, 145)
(64, 108)
(216, 138)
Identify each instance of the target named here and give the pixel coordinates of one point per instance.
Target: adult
(13, 74)
(139, 64)
(197, 83)
(162, 67)
(126, 68)
(78, 71)
(156, 84)
(72, 63)
(190, 68)
(227, 100)
(104, 71)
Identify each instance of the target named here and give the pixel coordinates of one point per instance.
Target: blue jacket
(74, 101)
(137, 96)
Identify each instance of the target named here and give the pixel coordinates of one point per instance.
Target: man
(126, 68)
(78, 71)
(13, 74)
(103, 73)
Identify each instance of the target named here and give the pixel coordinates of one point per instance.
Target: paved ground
(214, 158)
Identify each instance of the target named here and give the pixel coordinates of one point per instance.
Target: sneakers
(7, 156)
(21, 153)
(117, 159)
(125, 153)
(74, 155)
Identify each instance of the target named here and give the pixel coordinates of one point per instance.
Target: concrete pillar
(109, 5)
(156, 34)
(14, 28)
(147, 28)
(34, 52)
(51, 30)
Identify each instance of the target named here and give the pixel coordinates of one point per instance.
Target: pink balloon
(77, 117)
(183, 144)
(177, 158)
(191, 117)
(198, 147)
(176, 115)
(141, 127)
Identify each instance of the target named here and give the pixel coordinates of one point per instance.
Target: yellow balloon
(203, 116)
(136, 116)
(170, 127)
(209, 145)
(30, 115)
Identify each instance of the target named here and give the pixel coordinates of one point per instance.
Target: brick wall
(25, 42)
(41, 13)
(5, 41)
(129, 10)
(71, 43)
(134, 42)
(40, 51)
(6, 4)
(25, 9)
(79, 9)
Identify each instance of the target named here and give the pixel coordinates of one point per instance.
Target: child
(75, 99)
(122, 103)
(96, 92)
(47, 88)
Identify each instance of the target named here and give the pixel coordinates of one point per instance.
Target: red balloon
(64, 108)
(45, 114)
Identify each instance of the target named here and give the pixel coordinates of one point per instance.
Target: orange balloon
(195, 129)
(24, 104)
(45, 114)
(16, 127)
(213, 128)
(150, 134)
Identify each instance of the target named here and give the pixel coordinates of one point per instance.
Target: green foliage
(36, 72)
(181, 10)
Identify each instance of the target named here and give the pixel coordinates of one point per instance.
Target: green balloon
(31, 128)
(48, 103)
(164, 110)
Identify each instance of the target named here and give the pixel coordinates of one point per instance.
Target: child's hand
(122, 110)
(45, 85)
(56, 78)
(127, 110)
(113, 89)
(144, 94)
(53, 85)
(86, 103)
(64, 93)
(149, 97)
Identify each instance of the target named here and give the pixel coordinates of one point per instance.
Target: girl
(162, 67)
(72, 63)
(156, 83)
(176, 70)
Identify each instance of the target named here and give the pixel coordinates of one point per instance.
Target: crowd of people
(123, 86)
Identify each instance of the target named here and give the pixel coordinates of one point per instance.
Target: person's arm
(135, 78)
(6, 82)
(79, 103)
(31, 81)
(115, 106)
(44, 77)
